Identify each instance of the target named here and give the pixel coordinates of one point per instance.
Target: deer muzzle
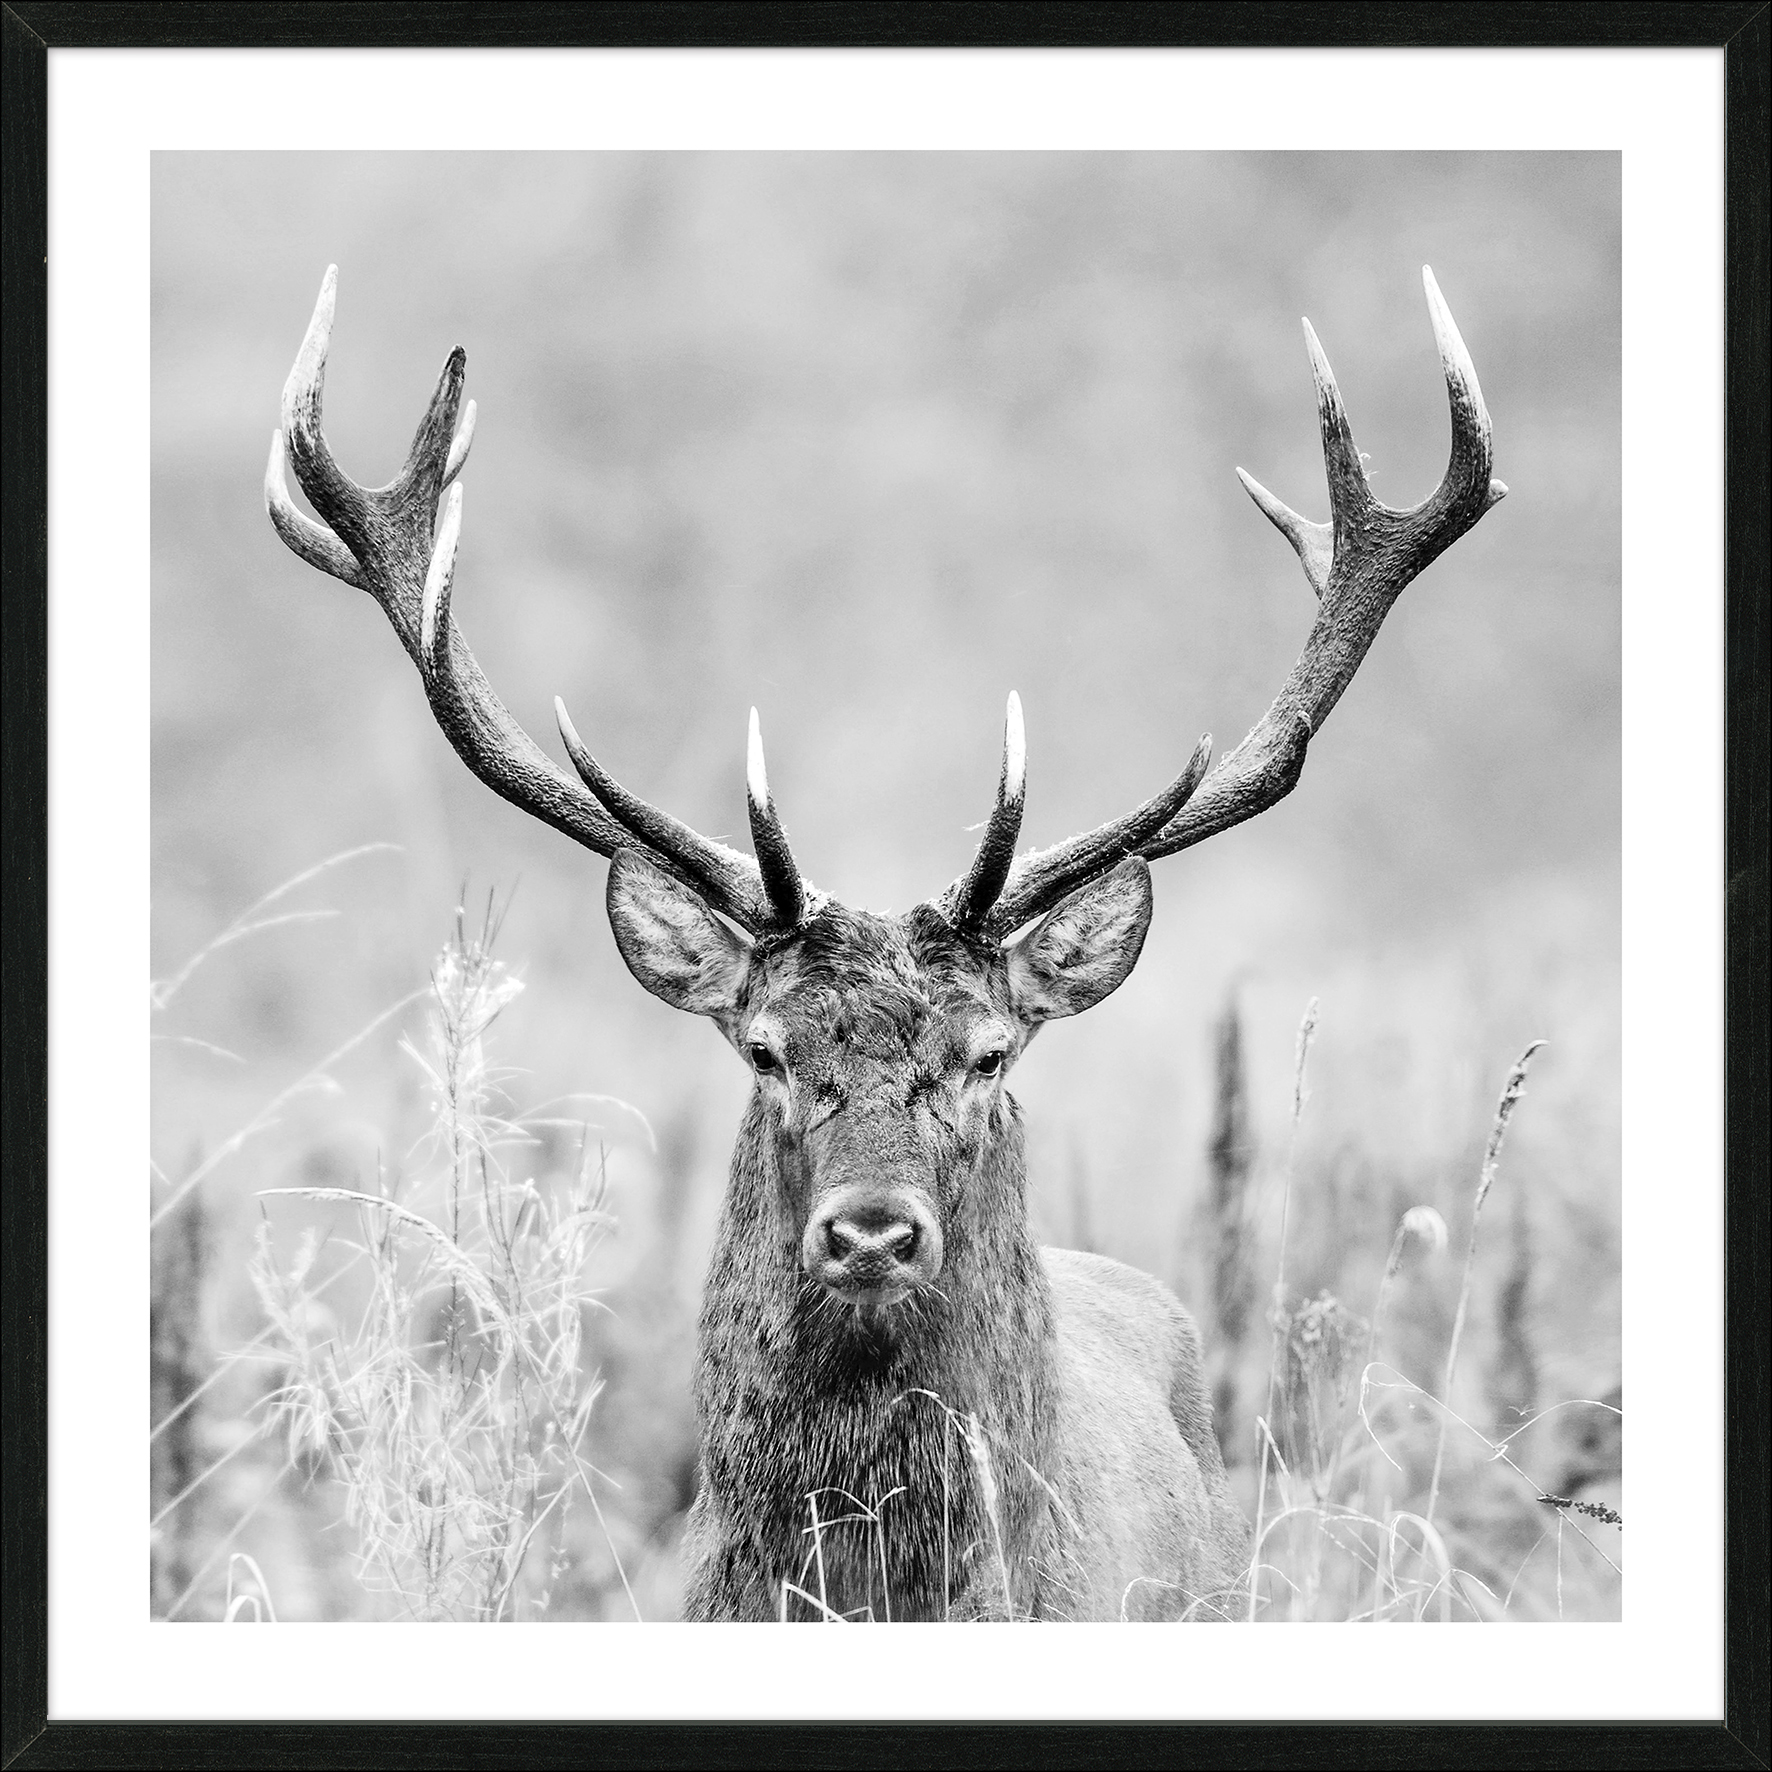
(872, 1246)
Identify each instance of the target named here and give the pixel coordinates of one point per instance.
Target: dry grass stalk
(1231, 1161)
(1504, 1112)
(453, 1410)
(177, 1356)
(1307, 1028)
(1512, 1373)
(1322, 1549)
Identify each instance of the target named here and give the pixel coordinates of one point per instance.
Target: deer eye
(763, 1061)
(989, 1065)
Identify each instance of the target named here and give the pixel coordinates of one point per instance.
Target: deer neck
(794, 1399)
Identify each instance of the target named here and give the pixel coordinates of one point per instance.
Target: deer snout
(872, 1247)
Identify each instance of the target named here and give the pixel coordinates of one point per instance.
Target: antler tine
(1314, 543)
(775, 860)
(434, 629)
(314, 542)
(1358, 564)
(315, 469)
(458, 450)
(969, 901)
(703, 863)
(439, 450)
(341, 503)
(1045, 877)
(1473, 440)
(1350, 495)
(382, 541)
(304, 386)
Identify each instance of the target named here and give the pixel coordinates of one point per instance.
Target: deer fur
(1028, 1435)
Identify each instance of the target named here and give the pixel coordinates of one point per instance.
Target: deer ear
(671, 941)
(1083, 948)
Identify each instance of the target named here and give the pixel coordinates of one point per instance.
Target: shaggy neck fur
(802, 1408)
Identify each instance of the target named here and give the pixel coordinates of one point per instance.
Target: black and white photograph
(668, 670)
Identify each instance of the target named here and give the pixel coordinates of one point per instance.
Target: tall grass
(454, 1409)
(1356, 1532)
(416, 1384)
(444, 1395)
(183, 1471)
(975, 1464)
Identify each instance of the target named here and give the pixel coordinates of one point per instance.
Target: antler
(382, 542)
(1358, 564)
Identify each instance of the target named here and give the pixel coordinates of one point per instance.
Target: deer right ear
(671, 941)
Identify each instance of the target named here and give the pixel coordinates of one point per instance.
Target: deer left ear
(1083, 948)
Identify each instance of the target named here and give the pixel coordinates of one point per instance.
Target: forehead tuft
(861, 971)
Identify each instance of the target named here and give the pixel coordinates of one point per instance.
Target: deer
(908, 1411)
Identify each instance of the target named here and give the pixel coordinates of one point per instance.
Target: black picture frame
(1744, 30)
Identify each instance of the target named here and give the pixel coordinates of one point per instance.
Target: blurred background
(868, 440)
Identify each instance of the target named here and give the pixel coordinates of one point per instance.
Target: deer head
(879, 1045)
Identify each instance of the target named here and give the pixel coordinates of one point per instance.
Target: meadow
(867, 441)
(450, 1380)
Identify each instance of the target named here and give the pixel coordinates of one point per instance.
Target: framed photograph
(600, 1173)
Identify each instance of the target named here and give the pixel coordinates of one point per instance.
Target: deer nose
(875, 1243)
(848, 1240)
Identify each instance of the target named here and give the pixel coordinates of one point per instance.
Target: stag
(907, 1409)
